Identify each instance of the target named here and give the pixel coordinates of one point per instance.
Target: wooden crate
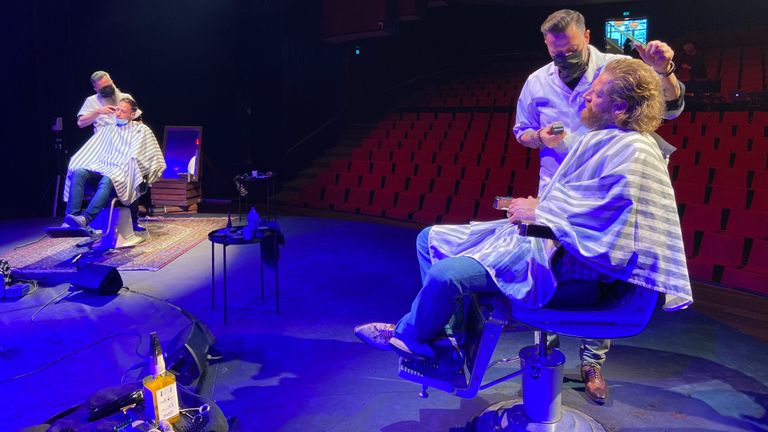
(175, 192)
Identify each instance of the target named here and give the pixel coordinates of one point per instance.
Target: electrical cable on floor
(189, 316)
(66, 356)
(40, 309)
(31, 243)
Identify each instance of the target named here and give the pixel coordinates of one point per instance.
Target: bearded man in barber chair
(610, 205)
(121, 160)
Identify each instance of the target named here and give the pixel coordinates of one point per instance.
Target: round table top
(234, 235)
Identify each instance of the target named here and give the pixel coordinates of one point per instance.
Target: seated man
(123, 158)
(610, 205)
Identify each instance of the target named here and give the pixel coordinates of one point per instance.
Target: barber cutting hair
(121, 159)
(99, 109)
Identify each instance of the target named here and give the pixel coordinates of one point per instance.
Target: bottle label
(167, 402)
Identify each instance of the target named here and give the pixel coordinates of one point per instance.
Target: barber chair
(115, 224)
(460, 366)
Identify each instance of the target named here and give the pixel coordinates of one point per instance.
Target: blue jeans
(104, 192)
(445, 282)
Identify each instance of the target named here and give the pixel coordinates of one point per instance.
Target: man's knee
(422, 240)
(451, 274)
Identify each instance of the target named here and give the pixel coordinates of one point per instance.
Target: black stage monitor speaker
(97, 279)
(189, 359)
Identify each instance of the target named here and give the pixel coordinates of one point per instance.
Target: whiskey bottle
(161, 399)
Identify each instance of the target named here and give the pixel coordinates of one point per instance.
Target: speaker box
(98, 279)
(189, 358)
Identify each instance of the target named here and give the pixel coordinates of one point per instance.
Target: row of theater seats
(429, 168)
(447, 168)
(737, 68)
(498, 88)
(720, 177)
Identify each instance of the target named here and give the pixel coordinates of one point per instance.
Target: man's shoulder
(602, 58)
(541, 73)
(91, 101)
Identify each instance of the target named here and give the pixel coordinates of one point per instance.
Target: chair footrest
(444, 372)
(58, 232)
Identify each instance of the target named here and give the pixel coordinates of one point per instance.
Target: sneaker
(376, 335)
(594, 383)
(76, 221)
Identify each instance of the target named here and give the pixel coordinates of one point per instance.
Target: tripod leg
(56, 196)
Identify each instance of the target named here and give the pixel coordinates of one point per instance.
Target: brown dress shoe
(594, 383)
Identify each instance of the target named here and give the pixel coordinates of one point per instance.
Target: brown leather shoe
(594, 383)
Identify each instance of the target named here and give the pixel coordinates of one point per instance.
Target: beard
(596, 119)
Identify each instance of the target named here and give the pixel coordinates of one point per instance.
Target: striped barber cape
(128, 155)
(611, 207)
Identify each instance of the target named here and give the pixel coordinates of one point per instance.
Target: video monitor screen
(636, 27)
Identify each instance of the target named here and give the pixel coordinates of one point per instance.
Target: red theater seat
(702, 218)
(730, 197)
(697, 174)
(754, 276)
(747, 223)
(382, 200)
(326, 178)
(715, 250)
(733, 177)
(444, 185)
(432, 210)
(460, 211)
(469, 189)
(371, 182)
(356, 199)
(348, 180)
(407, 203)
(394, 183)
(333, 195)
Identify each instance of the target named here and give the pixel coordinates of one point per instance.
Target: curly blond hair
(635, 83)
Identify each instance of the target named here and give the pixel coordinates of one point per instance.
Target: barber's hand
(549, 139)
(657, 55)
(107, 109)
(522, 209)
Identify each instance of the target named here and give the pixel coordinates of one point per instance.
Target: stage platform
(304, 370)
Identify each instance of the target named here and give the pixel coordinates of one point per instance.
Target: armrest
(533, 230)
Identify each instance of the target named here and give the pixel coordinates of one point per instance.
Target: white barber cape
(126, 154)
(611, 207)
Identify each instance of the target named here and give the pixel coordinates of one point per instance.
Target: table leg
(261, 273)
(225, 284)
(213, 275)
(277, 291)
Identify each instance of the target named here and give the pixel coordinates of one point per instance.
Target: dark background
(256, 75)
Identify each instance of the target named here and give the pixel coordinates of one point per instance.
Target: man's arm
(89, 117)
(658, 55)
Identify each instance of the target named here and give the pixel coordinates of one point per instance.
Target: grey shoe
(376, 335)
(76, 221)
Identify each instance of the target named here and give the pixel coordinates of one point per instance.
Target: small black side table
(268, 236)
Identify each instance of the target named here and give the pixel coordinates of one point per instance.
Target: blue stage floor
(304, 370)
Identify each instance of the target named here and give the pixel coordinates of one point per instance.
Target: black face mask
(107, 91)
(570, 66)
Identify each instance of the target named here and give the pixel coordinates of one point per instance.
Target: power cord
(66, 356)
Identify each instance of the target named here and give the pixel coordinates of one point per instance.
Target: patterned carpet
(169, 239)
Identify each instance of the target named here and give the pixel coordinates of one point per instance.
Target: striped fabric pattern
(612, 206)
(126, 154)
(612, 209)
